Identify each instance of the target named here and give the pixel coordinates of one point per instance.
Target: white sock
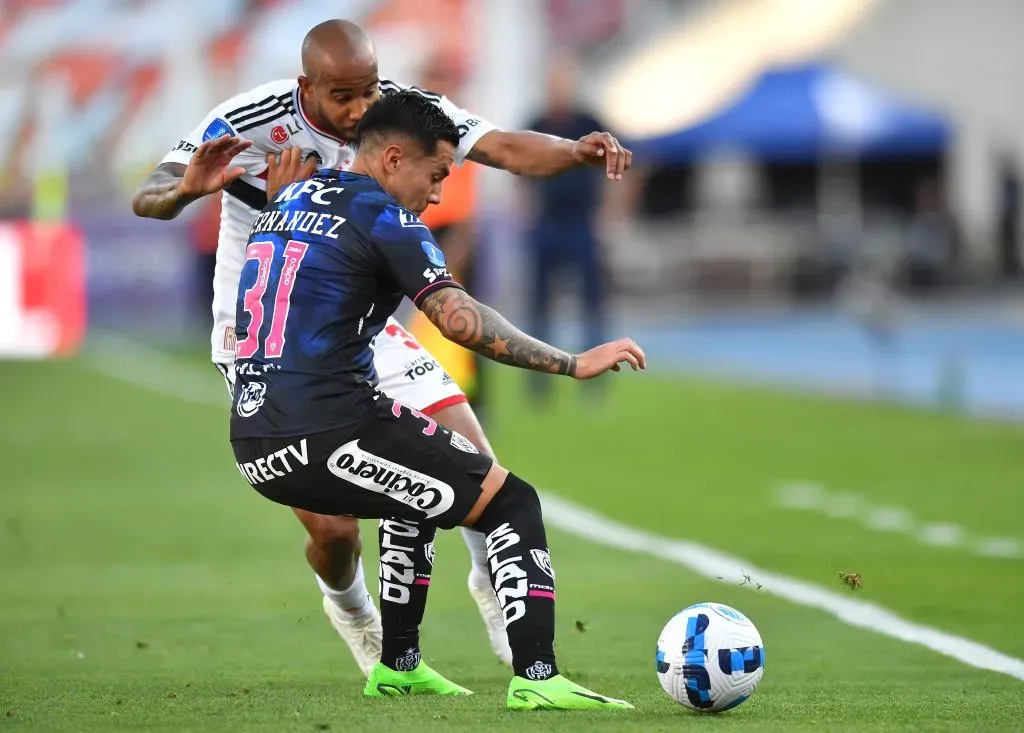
(354, 600)
(477, 544)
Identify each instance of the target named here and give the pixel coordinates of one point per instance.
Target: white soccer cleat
(494, 620)
(363, 634)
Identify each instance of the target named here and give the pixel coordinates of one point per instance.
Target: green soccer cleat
(386, 682)
(558, 693)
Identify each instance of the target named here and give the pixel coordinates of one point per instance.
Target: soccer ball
(710, 658)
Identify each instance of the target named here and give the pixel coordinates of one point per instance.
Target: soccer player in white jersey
(280, 132)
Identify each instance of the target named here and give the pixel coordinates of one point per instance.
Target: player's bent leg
(397, 462)
(410, 374)
(460, 418)
(524, 582)
(333, 550)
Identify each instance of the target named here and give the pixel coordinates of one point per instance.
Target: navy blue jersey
(327, 262)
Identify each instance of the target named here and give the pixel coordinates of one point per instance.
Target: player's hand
(287, 167)
(208, 171)
(609, 357)
(602, 149)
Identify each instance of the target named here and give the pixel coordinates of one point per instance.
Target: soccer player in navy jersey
(251, 145)
(328, 261)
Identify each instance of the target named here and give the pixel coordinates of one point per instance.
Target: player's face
(417, 177)
(339, 97)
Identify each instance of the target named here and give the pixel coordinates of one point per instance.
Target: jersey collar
(338, 173)
(310, 124)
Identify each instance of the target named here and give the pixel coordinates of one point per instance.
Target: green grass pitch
(145, 586)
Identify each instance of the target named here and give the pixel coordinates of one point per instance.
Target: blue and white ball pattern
(709, 658)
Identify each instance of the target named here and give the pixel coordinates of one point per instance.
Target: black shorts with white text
(396, 463)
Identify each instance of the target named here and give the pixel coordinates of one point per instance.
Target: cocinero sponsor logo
(373, 473)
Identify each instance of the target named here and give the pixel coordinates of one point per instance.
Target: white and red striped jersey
(271, 116)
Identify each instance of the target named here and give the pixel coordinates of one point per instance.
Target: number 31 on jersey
(255, 306)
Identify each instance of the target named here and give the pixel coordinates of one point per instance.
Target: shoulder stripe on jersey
(267, 110)
(389, 87)
(239, 112)
(248, 194)
(262, 117)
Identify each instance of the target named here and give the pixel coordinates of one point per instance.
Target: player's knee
(337, 534)
(515, 499)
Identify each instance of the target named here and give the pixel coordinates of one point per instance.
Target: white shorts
(407, 372)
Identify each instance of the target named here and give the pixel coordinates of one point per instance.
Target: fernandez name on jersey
(327, 262)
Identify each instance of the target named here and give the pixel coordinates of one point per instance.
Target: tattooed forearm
(483, 158)
(158, 196)
(482, 329)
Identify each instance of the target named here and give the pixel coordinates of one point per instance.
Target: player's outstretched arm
(460, 318)
(537, 155)
(173, 186)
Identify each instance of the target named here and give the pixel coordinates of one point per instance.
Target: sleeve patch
(433, 253)
(217, 128)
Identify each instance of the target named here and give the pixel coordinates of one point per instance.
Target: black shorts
(396, 463)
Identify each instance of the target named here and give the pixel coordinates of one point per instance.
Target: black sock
(521, 575)
(406, 559)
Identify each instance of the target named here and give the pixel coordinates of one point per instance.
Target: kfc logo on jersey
(279, 135)
(373, 473)
(251, 398)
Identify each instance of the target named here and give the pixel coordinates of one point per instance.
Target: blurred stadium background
(841, 179)
(826, 197)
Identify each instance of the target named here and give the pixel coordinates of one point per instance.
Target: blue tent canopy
(802, 112)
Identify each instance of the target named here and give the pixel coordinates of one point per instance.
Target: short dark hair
(409, 114)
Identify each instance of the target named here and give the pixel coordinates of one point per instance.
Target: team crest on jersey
(408, 219)
(251, 399)
(462, 443)
(217, 128)
(433, 253)
(279, 135)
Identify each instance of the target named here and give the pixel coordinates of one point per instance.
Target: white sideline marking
(711, 563)
(170, 377)
(155, 371)
(811, 497)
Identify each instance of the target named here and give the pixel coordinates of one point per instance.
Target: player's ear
(305, 84)
(392, 157)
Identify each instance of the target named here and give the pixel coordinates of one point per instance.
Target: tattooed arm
(173, 186)
(479, 328)
(482, 329)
